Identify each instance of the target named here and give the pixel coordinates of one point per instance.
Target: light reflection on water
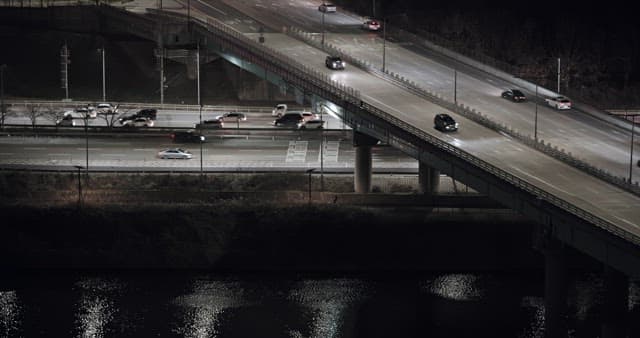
(96, 308)
(328, 299)
(9, 313)
(204, 305)
(184, 305)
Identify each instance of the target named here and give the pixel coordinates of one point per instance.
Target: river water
(195, 304)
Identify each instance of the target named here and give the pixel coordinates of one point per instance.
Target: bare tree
(33, 112)
(53, 114)
(110, 117)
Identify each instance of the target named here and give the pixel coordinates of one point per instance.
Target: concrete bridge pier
(428, 179)
(362, 167)
(555, 295)
(615, 307)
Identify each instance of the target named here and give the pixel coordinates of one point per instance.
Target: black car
(514, 95)
(189, 136)
(149, 113)
(290, 120)
(334, 62)
(444, 122)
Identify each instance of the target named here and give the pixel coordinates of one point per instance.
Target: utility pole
(384, 43)
(2, 109)
(455, 86)
(198, 70)
(162, 79)
(558, 75)
(64, 63)
(322, 42)
(535, 123)
(104, 86)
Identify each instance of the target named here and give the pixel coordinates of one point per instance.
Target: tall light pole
(79, 167)
(322, 42)
(2, 109)
(558, 75)
(535, 121)
(384, 44)
(104, 90)
(198, 70)
(309, 171)
(455, 86)
(633, 124)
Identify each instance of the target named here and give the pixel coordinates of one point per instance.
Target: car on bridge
(559, 102)
(106, 109)
(371, 25)
(188, 136)
(326, 7)
(66, 121)
(445, 122)
(210, 124)
(174, 153)
(88, 112)
(514, 95)
(334, 62)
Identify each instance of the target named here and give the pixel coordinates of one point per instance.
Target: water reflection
(204, 305)
(328, 300)
(462, 287)
(9, 313)
(95, 307)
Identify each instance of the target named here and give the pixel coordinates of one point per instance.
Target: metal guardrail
(350, 95)
(471, 114)
(353, 96)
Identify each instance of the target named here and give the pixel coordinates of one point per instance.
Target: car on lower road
(334, 62)
(66, 121)
(234, 116)
(514, 95)
(106, 109)
(174, 153)
(210, 124)
(138, 122)
(312, 124)
(188, 136)
(445, 122)
(289, 120)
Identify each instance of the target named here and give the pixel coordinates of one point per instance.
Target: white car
(327, 8)
(233, 117)
(174, 153)
(559, 102)
(138, 122)
(371, 25)
(107, 109)
(313, 124)
(306, 115)
(279, 110)
(87, 112)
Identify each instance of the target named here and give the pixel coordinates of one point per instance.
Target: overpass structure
(573, 207)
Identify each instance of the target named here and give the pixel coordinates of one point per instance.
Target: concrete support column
(615, 307)
(362, 174)
(362, 167)
(555, 294)
(428, 179)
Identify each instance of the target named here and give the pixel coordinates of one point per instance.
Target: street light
(455, 86)
(535, 121)
(384, 43)
(2, 109)
(104, 92)
(633, 124)
(79, 167)
(322, 42)
(309, 171)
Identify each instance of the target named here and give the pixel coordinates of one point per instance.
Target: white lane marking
(543, 181)
(142, 149)
(210, 6)
(60, 154)
(118, 155)
(6, 154)
(34, 148)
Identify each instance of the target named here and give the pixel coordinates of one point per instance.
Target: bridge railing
(470, 113)
(353, 97)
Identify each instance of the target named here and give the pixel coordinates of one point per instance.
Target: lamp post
(384, 44)
(322, 42)
(535, 121)
(104, 91)
(79, 167)
(86, 147)
(2, 109)
(455, 86)
(309, 171)
(633, 124)
(558, 75)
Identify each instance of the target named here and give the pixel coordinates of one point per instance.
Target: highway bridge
(585, 203)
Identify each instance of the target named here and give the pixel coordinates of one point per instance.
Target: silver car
(175, 153)
(313, 124)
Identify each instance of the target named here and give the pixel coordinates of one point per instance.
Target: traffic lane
(230, 150)
(557, 178)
